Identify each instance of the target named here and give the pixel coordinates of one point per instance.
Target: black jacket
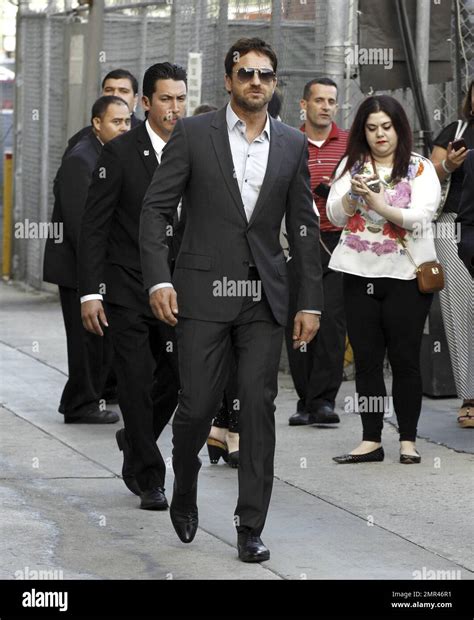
(70, 192)
(466, 216)
(109, 256)
(218, 242)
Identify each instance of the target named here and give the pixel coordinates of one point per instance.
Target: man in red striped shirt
(317, 369)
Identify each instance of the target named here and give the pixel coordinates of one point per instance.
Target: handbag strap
(402, 241)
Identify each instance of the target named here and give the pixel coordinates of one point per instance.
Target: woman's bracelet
(349, 201)
(445, 167)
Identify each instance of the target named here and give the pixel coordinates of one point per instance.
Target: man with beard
(239, 172)
(109, 268)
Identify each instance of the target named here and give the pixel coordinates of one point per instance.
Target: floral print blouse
(370, 246)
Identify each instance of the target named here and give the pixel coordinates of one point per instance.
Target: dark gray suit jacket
(218, 242)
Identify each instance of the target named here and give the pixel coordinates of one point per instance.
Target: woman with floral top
(385, 197)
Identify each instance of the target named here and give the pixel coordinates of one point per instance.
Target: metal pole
(173, 31)
(95, 33)
(276, 27)
(43, 215)
(222, 47)
(423, 14)
(143, 42)
(346, 107)
(19, 248)
(334, 50)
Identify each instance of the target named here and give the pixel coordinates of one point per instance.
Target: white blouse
(369, 244)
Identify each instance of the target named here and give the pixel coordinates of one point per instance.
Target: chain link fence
(140, 33)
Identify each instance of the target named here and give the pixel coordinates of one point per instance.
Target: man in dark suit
(110, 264)
(239, 172)
(89, 357)
(118, 83)
(466, 216)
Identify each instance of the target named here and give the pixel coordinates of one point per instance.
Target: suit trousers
(89, 359)
(255, 340)
(317, 371)
(146, 366)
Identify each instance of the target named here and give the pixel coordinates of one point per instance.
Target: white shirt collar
(157, 143)
(233, 119)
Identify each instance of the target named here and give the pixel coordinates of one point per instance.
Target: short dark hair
(275, 104)
(467, 110)
(102, 103)
(203, 108)
(357, 146)
(162, 71)
(244, 46)
(322, 80)
(122, 74)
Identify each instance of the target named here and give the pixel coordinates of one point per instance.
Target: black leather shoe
(153, 499)
(369, 457)
(251, 548)
(324, 415)
(300, 418)
(128, 474)
(185, 522)
(93, 416)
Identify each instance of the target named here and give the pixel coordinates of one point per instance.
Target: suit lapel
(146, 151)
(220, 141)
(275, 157)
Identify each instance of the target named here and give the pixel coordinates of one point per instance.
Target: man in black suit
(466, 216)
(89, 357)
(118, 83)
(239, 173)
(110, 264)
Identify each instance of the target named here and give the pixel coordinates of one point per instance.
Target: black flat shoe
(369, 457)
(251, 548)
(153, 499)
(410, 459)
(128, 474)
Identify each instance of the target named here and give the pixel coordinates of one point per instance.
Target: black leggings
(385, 314)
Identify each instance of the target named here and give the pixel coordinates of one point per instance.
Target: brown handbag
(430, 275)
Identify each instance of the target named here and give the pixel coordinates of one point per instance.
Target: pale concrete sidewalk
(64, 506)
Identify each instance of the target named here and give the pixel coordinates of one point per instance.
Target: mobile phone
(374, 185)
(322, 190)
(459, 144)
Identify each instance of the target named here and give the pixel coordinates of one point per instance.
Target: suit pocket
(281, 268)
(201, 262)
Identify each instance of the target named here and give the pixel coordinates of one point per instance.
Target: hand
(306, 326)
(92, 314)
(164, 305)
(373, 200)
(358, 186)
(454, 159)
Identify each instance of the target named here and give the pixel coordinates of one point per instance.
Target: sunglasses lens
(266, 75)
(245, 74)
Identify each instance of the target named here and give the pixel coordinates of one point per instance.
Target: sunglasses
(245, 74)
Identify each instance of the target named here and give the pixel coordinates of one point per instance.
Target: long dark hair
(357, 146)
